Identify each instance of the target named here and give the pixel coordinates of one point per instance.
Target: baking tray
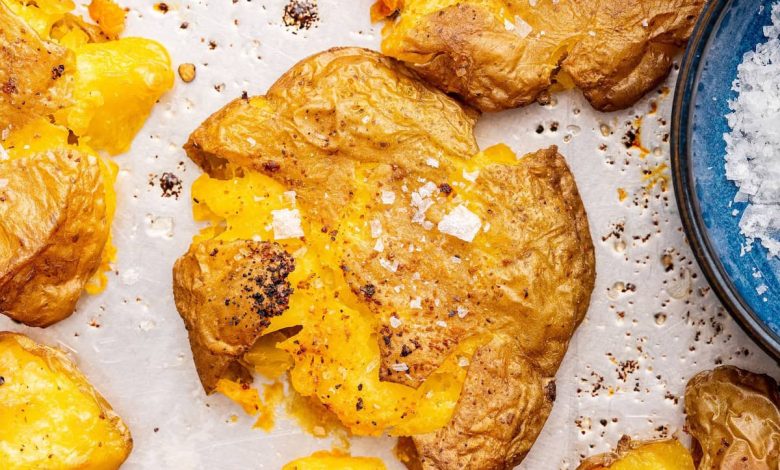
(652, 324)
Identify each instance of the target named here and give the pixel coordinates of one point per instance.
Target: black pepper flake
(368, 290)
(184, 25)
(359, 404)
(301, 14)
(405, 351)
(170, 185)
(445, 188)
(2, 380)
(162, 7)
(539, 129)
(56, 72)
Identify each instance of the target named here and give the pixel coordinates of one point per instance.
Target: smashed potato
(227, 294)
(50, 415)
(499, 54)
(324, 460)
(667, 454)
(734, 418)
(53, 230)
(101, 88)
(356, 168)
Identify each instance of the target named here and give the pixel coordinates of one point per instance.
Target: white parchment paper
(652, 324)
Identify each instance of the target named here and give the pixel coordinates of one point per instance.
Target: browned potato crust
(226, 293)
(529, 291)
(614, 51)
(734, 418)
(53, 229)
(34, 74)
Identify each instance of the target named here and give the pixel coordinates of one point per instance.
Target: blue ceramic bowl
(726, 30)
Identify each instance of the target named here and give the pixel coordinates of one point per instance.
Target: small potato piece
(117, 84)
(667, 454)
(34, 73)
(734, 418)
(50, 415)
(324, 460)
(500, 54)
(227, 293)
(53, 229)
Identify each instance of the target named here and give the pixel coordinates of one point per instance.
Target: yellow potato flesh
(341, 359)
(331, 461)
(49, 420)
(40, 136)
(117, 84)
(663, 455)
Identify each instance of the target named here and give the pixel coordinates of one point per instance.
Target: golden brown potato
(51, 416)
(342, 127)
(34, 74)
(499, 54)
(53, 228)
(227, 292)
(734, 418)
(667, 454)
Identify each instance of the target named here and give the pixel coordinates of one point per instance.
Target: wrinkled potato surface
(53, 231)
(734, 418)
(50, 416)
(334, 460)
(667, 454)
(403, 327)
(500, 54)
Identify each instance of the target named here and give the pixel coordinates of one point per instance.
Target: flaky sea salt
(461, 223)
(753, 145)
(286, 224)
(388, 197)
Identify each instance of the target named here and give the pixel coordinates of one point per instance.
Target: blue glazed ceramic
(725, 31)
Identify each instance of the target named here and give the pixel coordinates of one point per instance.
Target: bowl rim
(684, 185)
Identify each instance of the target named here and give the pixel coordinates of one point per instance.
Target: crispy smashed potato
(734, 418)
(324, 460)
(55, 64)
(499, 54)
(385, 168)
(50, 415)
(667, 454)
(53, 230)
(32, 72)
(227, 294)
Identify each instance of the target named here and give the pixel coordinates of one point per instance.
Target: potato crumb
(187, 72)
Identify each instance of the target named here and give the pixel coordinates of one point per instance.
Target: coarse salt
(391, 266)
(395, 322)
(376, 228)
(441, 324)
(286, 224)
(400, 367)
(415, 303)
(461, 223)
(471, 175)
(753, 145)
(387, 197)
(290, 197)
(432, 162)
(379, 246)
(462, 311)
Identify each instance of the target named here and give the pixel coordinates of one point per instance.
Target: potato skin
(734, 418)
(51, 416)
(226, 293)
(35, 75)
(615, 52)
(344, 107)
(662, 454)
(53, 228)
